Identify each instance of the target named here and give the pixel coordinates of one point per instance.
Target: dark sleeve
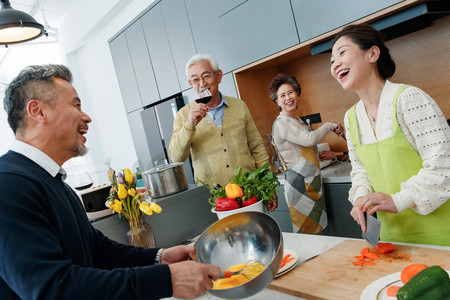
(35, 262)
(109, 254)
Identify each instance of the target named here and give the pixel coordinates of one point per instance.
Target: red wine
(83, 187)
(204, 100)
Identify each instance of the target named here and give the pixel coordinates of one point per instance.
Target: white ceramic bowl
(258, 206)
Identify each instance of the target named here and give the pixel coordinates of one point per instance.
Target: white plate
(377, 289)
(290, 265)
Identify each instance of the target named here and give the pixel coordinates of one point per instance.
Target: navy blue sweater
(49, 249)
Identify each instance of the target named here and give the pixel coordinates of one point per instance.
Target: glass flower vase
(140, 234)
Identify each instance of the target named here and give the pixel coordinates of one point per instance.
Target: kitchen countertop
(306, 246)
(336, 172)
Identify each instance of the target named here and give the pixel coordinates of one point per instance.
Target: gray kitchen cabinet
(160, 52)
(227, 86)
(204, 20)
(225, 6)
(142, 64)
(139, 139)
(180, 37)
(256, 29)
(281, 213)
(314, 18)
(340, 223)
(125, 73)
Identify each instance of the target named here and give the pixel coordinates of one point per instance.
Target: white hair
(199, 57)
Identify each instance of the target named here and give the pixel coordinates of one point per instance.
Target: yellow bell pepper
(233, 191)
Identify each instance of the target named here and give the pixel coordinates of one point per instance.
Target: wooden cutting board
(331, 275)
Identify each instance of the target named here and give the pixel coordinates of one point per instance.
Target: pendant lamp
(17, 26)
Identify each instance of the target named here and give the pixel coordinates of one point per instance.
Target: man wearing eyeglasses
(219, 135)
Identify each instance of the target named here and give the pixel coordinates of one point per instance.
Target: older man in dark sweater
(48, 248)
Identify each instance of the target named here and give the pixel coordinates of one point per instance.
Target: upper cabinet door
(160, 52)
(317, 17)
(204, 19)
(180, 37)
(225, 6)
(256, 29)
(141, 63)
(125, 73)
(227, 86)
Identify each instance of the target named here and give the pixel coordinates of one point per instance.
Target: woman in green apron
(398, 141)
(296, 146)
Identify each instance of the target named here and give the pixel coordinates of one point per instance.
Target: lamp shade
(17, 26)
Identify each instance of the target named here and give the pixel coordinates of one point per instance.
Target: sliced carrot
(287, 258)
(290, 259)
(392, 291)
(366, 258)
(385, 247)
(371, 255)
(365, 250)
(410, 271)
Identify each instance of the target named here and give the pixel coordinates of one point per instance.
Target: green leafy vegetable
(261, 183)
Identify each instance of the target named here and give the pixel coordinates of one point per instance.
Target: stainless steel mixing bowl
(237, 239)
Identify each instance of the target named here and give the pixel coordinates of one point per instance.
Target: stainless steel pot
(166, 179)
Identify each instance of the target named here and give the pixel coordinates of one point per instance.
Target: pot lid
(163, 167)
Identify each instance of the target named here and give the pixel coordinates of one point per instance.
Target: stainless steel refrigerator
(157, 121)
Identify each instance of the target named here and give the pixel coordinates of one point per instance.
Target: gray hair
(199, 57)
(33, 82)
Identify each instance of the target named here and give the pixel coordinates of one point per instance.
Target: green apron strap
(395, 126)
(353, 126)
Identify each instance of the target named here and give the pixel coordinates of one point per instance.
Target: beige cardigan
(216, 153)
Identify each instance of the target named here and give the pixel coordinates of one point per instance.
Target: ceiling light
(17, 26)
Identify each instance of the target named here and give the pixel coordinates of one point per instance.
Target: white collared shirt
(38, 157)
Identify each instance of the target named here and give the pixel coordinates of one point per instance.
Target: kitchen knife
(373, 227)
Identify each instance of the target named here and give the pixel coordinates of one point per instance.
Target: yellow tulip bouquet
(127, 201)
